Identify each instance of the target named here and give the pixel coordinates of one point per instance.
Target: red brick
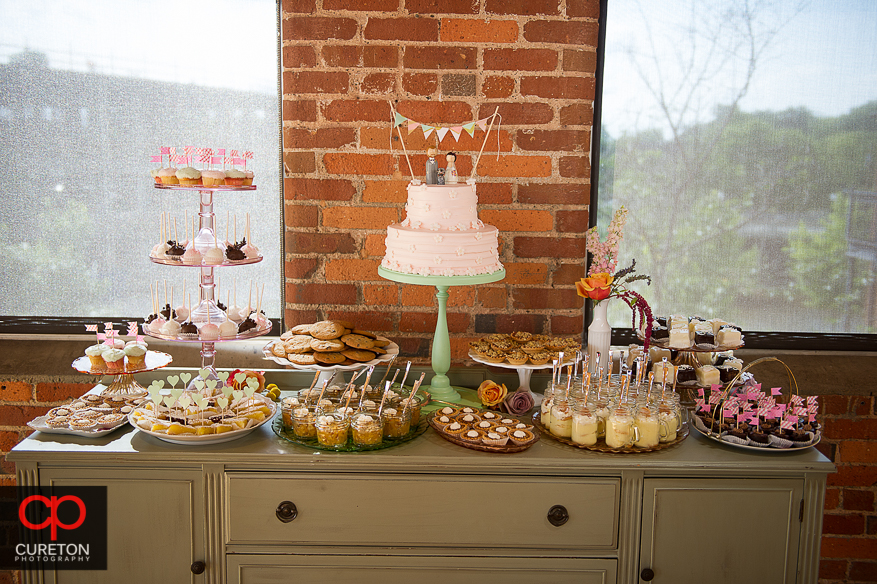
(549, 247)
(300, 242)
(863, 571)
(577, 114)
(832, 499)
(445, 112)
(301, 215)
(517, 220)
(471, 30)
(497, 87)
(53, 392)
(575, 167)
(294, 317)
(439, 57)
(494, 193)
(583, 8)
(519, 114)
(318, 28)
(297, 56)
(460, 347)
(385, 191)
(858, 451)
(520, 59)
(858, 500)
(542, 298)
(572, 221)
(380, 56)
(509, 323)
(362, 5)
(299, 162)
(461, 296)
(380, 294)
(570, 32)
(558, 87)
(566, 325)
(301, 268)
(345, 217)
(843, 524)
(555, 140)
(16, 391)
(322, 82)
(414, 347)
(441, 7)
(850, 428)
(355, 163)
(835, 405)
(420, 83)
(580, 61)
(318, 138)
(313, 189)
(20, 415)
(567, 274)
(526, 273)
(342, 56)
(492, 297)
(554, 194)
(321, 293)
(861, 406)
(299, 110)
(832, 569)
(302, 6)
(846, 547)
(369, 321)
(424, 322)
(358, 110)
(515, 166)
(8, 440)
(402, 29)
(523, 7)
(375, 244)
(378, 83)
(853, 476)
(871, 528)
(411, 295)
(353, 270)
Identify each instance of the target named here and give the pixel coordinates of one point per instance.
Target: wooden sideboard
(260, 510)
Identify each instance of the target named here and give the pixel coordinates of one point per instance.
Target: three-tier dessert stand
(207, 310)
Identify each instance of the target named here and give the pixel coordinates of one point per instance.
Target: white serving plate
(392, 350)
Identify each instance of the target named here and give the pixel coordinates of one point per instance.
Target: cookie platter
(348, 365)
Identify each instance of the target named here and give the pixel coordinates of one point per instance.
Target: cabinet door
(721, 530)
(155, 524)
(252, 569)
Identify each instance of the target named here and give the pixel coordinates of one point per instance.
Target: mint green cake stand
(440, 386)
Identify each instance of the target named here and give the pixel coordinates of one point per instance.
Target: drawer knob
(286, 511)
(558, 515)
(198, 567)
(647, 574)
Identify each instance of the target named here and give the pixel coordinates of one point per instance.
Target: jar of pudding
(620, 428)
(584, 426)
(325, 407)
(367, 429)
(332, 430)
(397, 423)
(670, 422)
(304, 423)
(601, 409)
(413, 409)
(648, 427)
(560, 420)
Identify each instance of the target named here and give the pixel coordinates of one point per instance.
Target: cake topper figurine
(441, 176)
(451, 171)
(431, 167)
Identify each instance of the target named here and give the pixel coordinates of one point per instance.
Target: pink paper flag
(714, 398)
(456, 131)
(753, 419)
(172, 150)
(797, 400)
(92, 328)
(441, 132)
(189, 150)
(204, 158)
(165, 150)
(156, 158)
(220, 151)
(108, 326)
(216, 160)
(741, 418)
(729, 412)
(705, 407)
(101, 337)
(412, 126)
(811, 418)
(482, 124)
(700, 391)
(140, 338)
(238, 160)
(716, 387)
(811, 400)
(776, 391)
(248, 154)
(234, 153)
(132, 328)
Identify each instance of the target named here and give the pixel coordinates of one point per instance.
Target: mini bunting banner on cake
(441, 131)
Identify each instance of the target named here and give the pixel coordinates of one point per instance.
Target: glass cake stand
(440, 387)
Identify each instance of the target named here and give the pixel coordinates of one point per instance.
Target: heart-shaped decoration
(237, 394)
(239, 377)
(185, 401)
(226, 391)
(204, 373)
(253, 382)
(249, 391)
(154, 395)
(185, 377)
(176, 393)
(223, 376)
(173, 379)
(200, 400)
(211, 383)
(199, 383)
(159, 383)
(169, 400)
(222, 402)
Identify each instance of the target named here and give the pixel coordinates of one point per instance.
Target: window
(742, 136)
(89, 92)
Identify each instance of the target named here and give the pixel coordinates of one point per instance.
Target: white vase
(599, 337)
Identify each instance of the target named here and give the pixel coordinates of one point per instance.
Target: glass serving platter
(289, 436)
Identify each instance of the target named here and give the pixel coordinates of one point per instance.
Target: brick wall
(343, 62)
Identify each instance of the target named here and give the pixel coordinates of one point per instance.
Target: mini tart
(455, 428)
(517, 357)
(472, 435)
(504, 345)
(534, 346)
(555, 344)
(522, 426)
(495, 337)
(468, 410)
(110, 420)
(490, 416)
(494, 439)
(57, 422)
(521, 336)
(62, 411)
(521, 437)
(442, 421)
(471, 419)
(448, 411)
(82, 424)
(475, 347)
(539, 357)
(501, 430)
(485, 426)
(493, 356)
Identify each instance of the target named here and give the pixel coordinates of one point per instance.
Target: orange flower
(596, 287)
(491, 394)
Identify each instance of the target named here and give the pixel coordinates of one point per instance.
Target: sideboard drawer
(421, 510)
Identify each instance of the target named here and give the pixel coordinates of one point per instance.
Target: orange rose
(258, 375)
(596, 287)
(491, 394)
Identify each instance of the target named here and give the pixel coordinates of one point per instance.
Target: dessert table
(260, 509)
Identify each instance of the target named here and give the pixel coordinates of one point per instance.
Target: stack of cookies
(329, 342)
(523, 348)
